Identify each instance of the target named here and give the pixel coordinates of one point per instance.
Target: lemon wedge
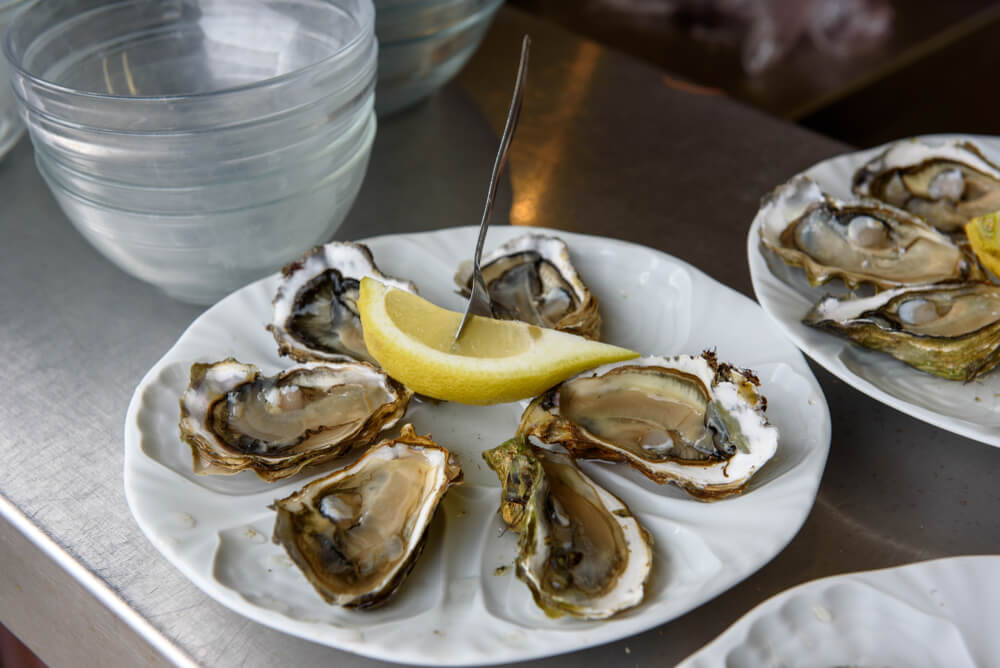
(984, 237)
(495, 361)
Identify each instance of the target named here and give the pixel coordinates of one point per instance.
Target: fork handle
(513, 115)
(479, 301)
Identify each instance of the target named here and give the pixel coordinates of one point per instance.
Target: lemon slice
(984, 237)
(495, 361)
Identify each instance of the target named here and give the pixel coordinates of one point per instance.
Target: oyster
(945, 185)
(951, 331)
(581, 551)
(858, 242)
(530, 278)
(315, 308)
(687, 420)
(235, 419)
(357, 532)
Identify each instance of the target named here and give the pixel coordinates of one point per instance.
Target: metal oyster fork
(479, 301)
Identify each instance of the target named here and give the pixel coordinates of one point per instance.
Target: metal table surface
(604, 147)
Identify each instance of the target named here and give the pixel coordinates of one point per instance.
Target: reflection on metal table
(604, 147)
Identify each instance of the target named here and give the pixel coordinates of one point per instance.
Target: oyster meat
(864, 242)
(952, 331)
(581, 551)
(315, 308)
(234, 418)
(357, 532)
(688, 420)
(945, 185)
(530, 278)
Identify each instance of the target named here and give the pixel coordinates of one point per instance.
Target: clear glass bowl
(405, 20)
(199, 144)
(221, 192)
(222, 185)
(183, 65)
(411, 70)
(10, 125)
(145, 131)
(201, 257)
(177, 158)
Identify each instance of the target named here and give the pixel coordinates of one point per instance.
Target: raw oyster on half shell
(952, 331)
(946, 185)
(862, 242)
(530, 278)
(315, 308)
(688, 420)
(234, 418)
(581, 551)
(357, 532)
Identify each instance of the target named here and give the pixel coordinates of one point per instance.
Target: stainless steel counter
(604, 147)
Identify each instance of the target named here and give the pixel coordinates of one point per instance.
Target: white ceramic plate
(934, 614)
(969, 409)
(216, 530)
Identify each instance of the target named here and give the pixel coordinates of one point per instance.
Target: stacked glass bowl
(10, 125)
(423, 44)
(199, 144)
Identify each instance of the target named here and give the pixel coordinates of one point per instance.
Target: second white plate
(934, 614)
(216, 530)
(969, 409)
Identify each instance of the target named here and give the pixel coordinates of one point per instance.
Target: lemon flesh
(984, 237)
(495, 361)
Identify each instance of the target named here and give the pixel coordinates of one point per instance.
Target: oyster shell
(581, 551)
(530, 278)
(862, 242)
(945, 185)
(235, 419)
(357, 532)
(687, 420)
(952, 331)
(315, 308)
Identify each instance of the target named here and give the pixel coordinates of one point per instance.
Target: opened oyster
(531, 279)
(945, 185)
(236, 419)
(859, 242)
(582, 552)
(951, 331)
(357, 532)
(687, 420)
(315, 308)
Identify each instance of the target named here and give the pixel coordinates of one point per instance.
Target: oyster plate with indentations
(968, 409)
(216, 530)
(935, 614)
